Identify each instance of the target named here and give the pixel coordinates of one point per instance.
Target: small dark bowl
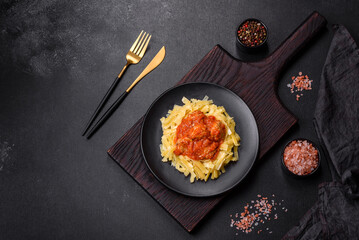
(286, 170)
(246, 48)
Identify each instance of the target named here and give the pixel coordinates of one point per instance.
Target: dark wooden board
(255, 83)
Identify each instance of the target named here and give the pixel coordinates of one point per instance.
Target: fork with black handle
(152, 65)
(134, 56)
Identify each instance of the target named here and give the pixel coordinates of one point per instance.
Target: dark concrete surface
(57, 59)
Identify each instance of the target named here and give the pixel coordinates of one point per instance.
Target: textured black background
(57, 59)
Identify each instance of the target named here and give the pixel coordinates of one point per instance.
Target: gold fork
(134, 56)
(137, 51)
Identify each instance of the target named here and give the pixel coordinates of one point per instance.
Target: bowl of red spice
(300, 158)
(252, 34)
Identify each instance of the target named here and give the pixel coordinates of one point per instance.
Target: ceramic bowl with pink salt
(300, 157)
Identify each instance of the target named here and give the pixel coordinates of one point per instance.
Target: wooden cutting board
(255, 83)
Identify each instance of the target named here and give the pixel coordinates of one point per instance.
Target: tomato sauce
(199, 136)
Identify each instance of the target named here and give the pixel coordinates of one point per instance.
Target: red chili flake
(299, 84)
(301, 157)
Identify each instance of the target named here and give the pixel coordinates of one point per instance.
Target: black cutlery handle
(101, 105)
(107, 114)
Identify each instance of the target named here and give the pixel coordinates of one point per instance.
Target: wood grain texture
(255, 83)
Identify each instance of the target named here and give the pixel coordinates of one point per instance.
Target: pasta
(204, 168)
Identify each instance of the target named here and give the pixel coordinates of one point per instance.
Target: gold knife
(152, 65)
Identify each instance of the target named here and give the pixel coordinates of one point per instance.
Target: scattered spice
(300, 83)
(252, 33)
(301, 157)
(248, 220)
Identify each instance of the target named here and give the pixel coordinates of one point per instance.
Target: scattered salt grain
(300, 83)
(254, 214)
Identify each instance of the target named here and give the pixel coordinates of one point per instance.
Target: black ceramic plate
(246, 127)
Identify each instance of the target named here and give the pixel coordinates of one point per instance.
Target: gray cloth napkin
(336, 213)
